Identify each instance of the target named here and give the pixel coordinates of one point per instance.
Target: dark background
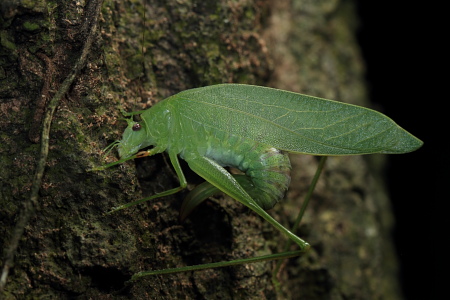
(407, 74)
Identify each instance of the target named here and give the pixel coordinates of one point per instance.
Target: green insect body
(248, 127)
(267, 170)
(203, 148)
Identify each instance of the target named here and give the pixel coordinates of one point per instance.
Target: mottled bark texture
(145, 51)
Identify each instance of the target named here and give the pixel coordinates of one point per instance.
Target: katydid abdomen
(266, 169)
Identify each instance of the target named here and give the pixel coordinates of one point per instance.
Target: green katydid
(248, 127)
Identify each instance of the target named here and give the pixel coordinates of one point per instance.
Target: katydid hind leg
(206, 190)
(223, 180)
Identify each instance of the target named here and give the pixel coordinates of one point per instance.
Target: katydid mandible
(252, 128)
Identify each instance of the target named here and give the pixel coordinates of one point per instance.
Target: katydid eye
(136, 127)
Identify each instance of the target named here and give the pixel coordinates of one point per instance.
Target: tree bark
(145, 51)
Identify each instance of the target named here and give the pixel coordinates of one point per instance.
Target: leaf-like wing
(294, 122)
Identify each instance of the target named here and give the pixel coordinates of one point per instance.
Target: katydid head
(134, 138)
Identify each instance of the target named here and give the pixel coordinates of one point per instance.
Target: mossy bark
(144, 52)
